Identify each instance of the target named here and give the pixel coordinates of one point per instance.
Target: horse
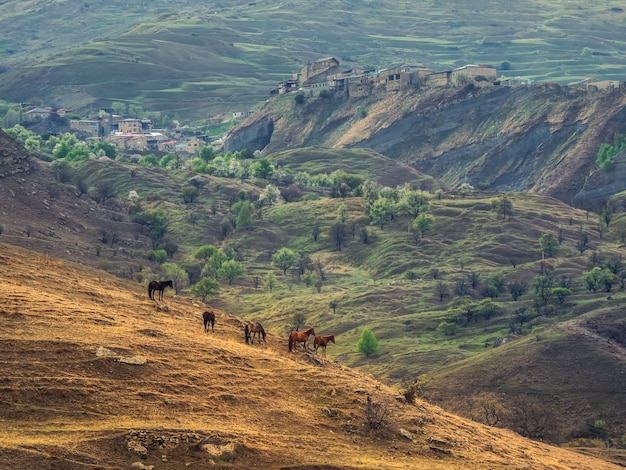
(158, 286)
(209, 317)
(254, 328)
(323, 342)
(296, 337)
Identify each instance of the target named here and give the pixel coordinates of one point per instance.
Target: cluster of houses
(326, 74)
(126, 133)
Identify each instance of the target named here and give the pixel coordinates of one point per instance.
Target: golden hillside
(70, 400)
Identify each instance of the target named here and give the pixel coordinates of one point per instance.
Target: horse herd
(252, 329)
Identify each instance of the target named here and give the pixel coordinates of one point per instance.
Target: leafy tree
(503, 206)
(104, 147)
(149, 160)
(205, 287)
(213, 264)
(269, 196)
(466, 189)
(441, 290)
(598, 278)
(206, 154)
(463, 306)
(411, 275)
(263, 169)
(284, 259)
(193, 270)
(189, 193)
(244, 211)
(338, 233)
(270, 281)
(381, 212)
(561, 293)
(423, 223)
(177, 274)
(167, 159)
(543, 288)
(414, 203)
(119, 107)
(517, 289)
(65, 144)
(333, 304)
(160, 256)
(205, 252)
(487, 308)
(549, 244)
(342, 213)
(231, 270)
(367, 344)
(448, 328)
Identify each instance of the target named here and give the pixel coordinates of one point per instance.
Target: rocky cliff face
(541, 139)
(253, 135)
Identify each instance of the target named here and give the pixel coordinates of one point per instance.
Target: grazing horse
(158, 286)
(323, 342)
(253, 329)
(296, 337)
(209, 317)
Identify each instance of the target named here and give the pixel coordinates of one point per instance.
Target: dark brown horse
(209, 318)
(158, 286)
(253, 329)
(296, 337)
(323, 342)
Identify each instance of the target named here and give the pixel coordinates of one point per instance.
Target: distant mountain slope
(195, 58)
(94, 376)
(537, 139)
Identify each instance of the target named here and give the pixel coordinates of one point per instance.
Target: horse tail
(246, 332)
(262, 332)
(150, 291)
(290, 343)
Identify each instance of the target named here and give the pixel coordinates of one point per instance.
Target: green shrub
(447, 328)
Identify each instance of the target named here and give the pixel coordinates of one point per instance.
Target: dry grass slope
(200, 399)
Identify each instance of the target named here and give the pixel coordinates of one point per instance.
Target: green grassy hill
(194, 58)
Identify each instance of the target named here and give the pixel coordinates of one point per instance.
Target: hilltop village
(320, 76)
(327, 74)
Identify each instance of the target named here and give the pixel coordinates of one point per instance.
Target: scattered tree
(549, 244)
(367, 344)
(205, 287)
(231, 270)
(284, 259)
(270, 281)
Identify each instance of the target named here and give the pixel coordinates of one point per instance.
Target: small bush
(447, 328)
(377, 415)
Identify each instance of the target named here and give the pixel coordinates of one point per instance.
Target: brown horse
(253, 329)
(160, 287)
(296, 337)
(323, 342)
(209, 318)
